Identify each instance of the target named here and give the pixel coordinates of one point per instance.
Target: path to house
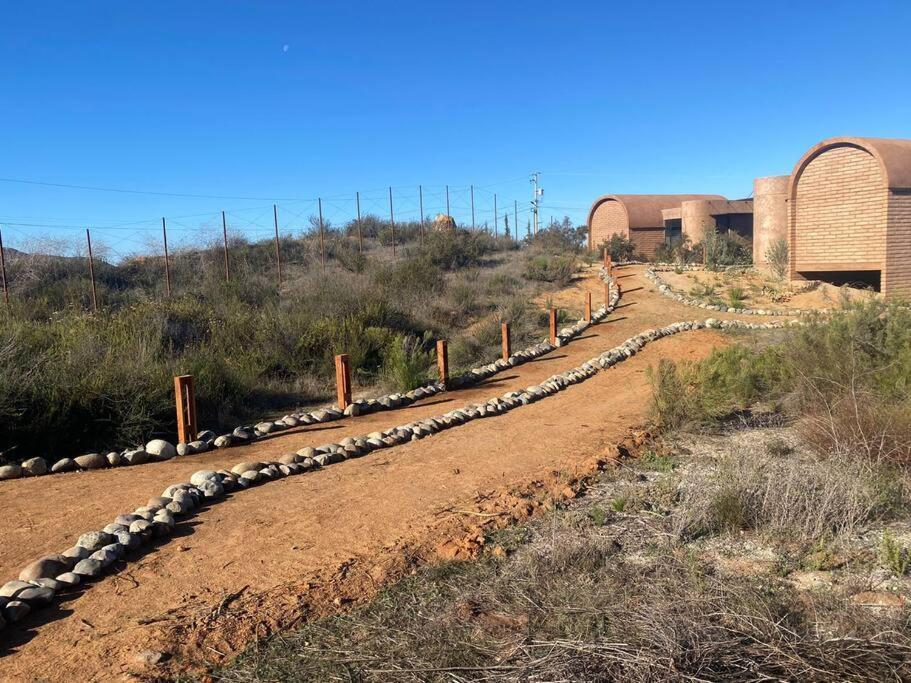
(316, 543)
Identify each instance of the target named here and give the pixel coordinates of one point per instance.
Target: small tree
(619, 247)
(778, 257)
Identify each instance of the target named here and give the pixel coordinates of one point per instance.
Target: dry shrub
(794, 497)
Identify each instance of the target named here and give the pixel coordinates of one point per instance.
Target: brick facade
(647, 240)
(898, 246)
(608, 219)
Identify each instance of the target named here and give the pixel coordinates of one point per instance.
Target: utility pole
(224, 233)
(471, 189)
(167, 265)
(278, 253)
(537, 192)
(421, 202)
(496, 227)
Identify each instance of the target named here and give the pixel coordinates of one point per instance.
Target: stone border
(651, 273)
(96, 551)
(159, 450)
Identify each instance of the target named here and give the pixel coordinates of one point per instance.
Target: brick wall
(647, 240)
(838, 213)
(609, 218)
(897, 276)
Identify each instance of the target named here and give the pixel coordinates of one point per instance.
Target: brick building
(637, 217)
(849, 214)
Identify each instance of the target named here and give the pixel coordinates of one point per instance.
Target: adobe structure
(849, 214)
(638, 217)
(844, 213)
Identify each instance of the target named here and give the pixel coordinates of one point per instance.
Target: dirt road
(313, 543)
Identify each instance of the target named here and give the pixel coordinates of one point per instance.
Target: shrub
(778, 257)
(725, 249)
(556, 269)
(893, 556)
(452, 249)
(406, 364)
(619, 247)
(736, 296)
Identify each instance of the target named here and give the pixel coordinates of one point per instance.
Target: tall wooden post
(606, 294)
(588, 307)
(471, 190)
(88, 239)
(278, 252)
(443, 362)
(392, 222)
(224, 232)
(553, 326)
(322, 243)
(421, 205)
(185, 400)
(360, 234)
(507, 341)
(606, 257)
(343, 380)
(3, 271)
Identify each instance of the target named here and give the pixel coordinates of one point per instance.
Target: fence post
(507, 341)
(448, 212)
(343, 380)
(88, 239)
(588, 307)
(224, 232)
(392, 222)
(322, 244)
(167, 265)
(606, 294)
(515, 210)
(278, 253)
(421, 204)
(471, 190)
(443, 362)
(605, 257)
(360, 236)
(3, 271)
(496, 226)
(185, 400)
(553, 326)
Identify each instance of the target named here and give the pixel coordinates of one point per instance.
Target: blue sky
(294, 100)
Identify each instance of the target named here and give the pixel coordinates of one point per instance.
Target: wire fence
(385, 219)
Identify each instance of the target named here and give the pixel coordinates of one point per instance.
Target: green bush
(619, 247)
(406, 364)
(546, 268)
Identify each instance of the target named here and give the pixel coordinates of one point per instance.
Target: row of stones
(96, 551)
(665, 289)
(160, 450)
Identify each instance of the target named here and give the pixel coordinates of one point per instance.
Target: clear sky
(255, 101)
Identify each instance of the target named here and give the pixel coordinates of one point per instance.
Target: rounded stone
(160, 449)
(198, 446)
(11, 589)
(223, 441)
(203, 475)
(34, 467)
(91, 461)
(136, 457)
(88, 567)
(125, 520)
(10, 472)
(69, 579)
(63, 465)
(46, 567)
(242, 467)
(115, 459)
(36, 595)
(183, 449)
(142, 527)
(77, 552)
(16, 610)
(93, 540)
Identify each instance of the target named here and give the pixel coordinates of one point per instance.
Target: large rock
(11, 589)
(88, 567)
(206, 435)
(45, 568)
(115, 459)
(203, 475)
(137, 456)
(10, 472)
(160, 449)
(36, 595)
(264, 427)
(91, 461)
(242, 467)
(223, 441)
(94, 540)
(34, 467)
(63, 465)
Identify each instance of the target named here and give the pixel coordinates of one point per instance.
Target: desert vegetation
(72, 381)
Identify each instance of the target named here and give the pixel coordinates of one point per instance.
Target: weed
(893, 556)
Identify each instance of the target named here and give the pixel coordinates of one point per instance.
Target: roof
(893, 155)
(644, 210)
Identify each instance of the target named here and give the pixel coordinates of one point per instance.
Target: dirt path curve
(273, 542)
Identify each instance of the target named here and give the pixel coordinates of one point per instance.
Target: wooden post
(167, 265)
(606, 257)
(278, 253)
(553, 326)
(185, 400)
(3, 271)
(606, 294)
(443, 362)
(471, 190)
(392, 222)
(360, 234)
(343, 380)
(496, 227)
(507, 341)
(88, 239)
(588, 307)
(515, 213)
(421, 204)
(322, 244)
(224, 232)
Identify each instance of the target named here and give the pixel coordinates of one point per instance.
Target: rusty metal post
(88, 239)
(507, 341)
(360, 235)
(322, 244)
(343, 380)
(278, 253)
(185, 400)
(224, 233)
(392, 222)
(3, 272)
(471, 190)
(443, 362)
(588, 307)
(553, 326)
(496, 227)
(167, 264)
(421, 204)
